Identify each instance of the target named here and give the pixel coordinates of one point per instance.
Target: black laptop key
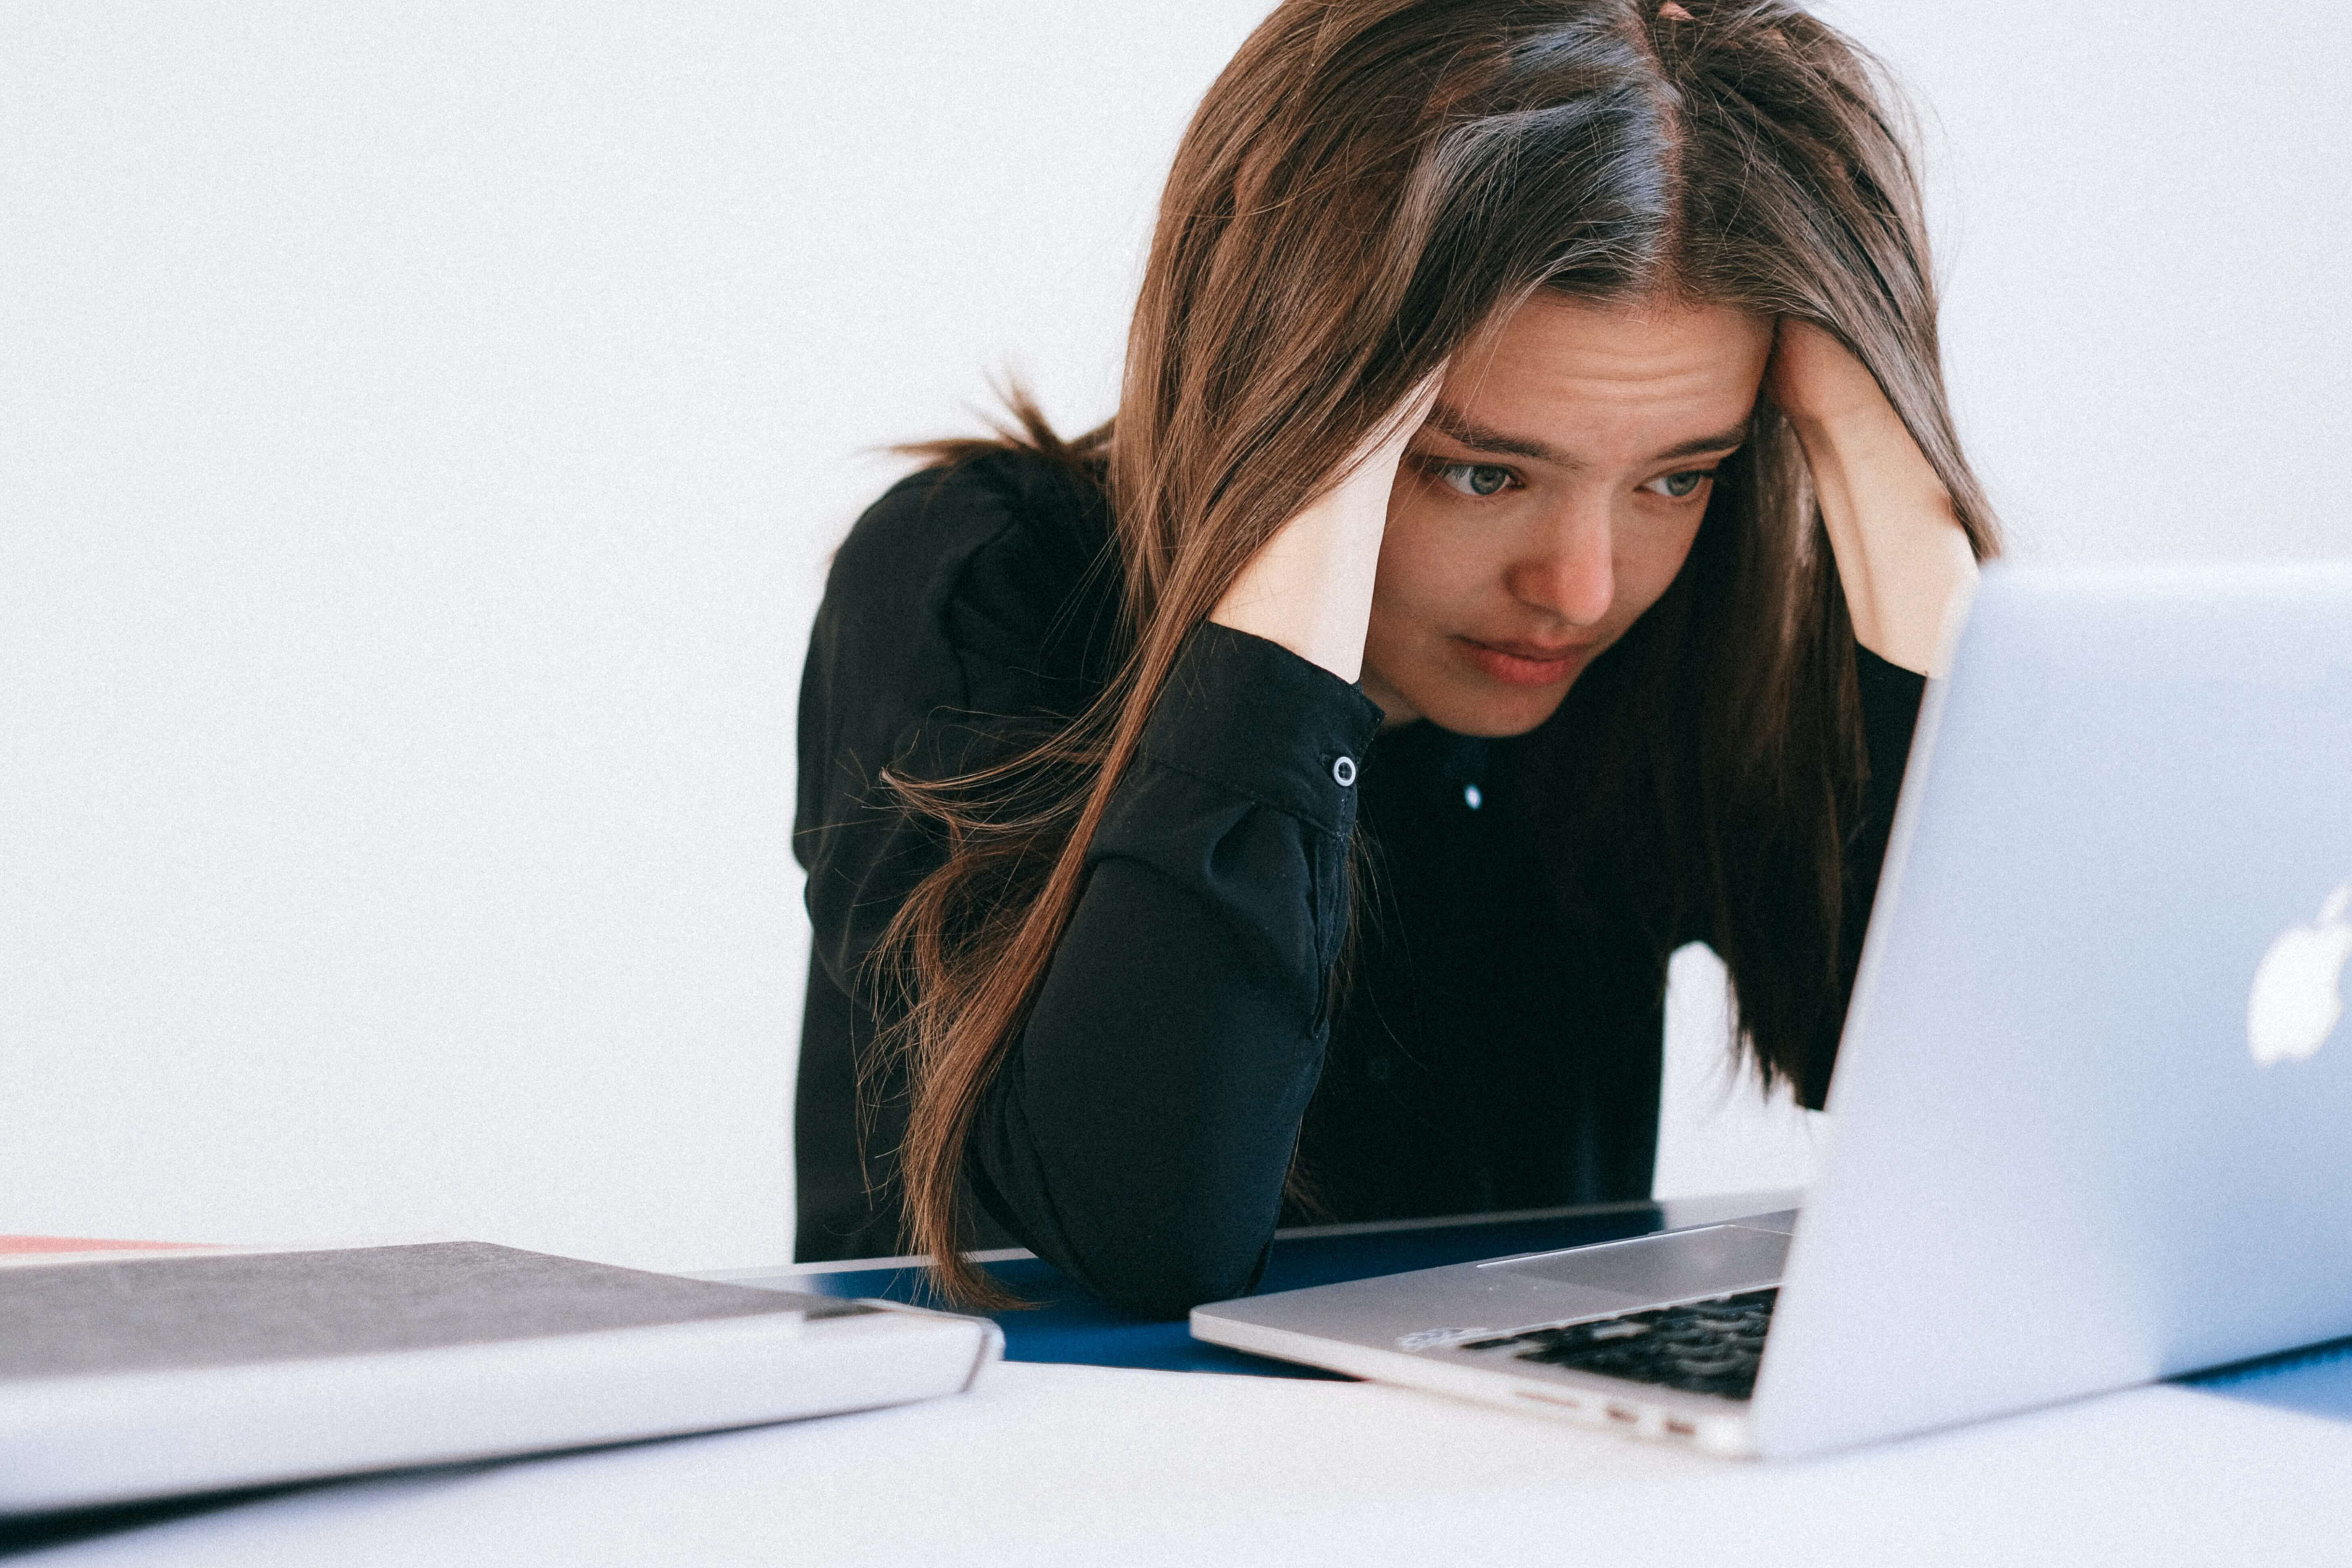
(1704, 1347)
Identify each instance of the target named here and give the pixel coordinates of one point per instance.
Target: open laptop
(2094, 1108)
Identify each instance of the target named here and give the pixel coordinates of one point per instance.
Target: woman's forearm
(1902, 556)
(1311, 588)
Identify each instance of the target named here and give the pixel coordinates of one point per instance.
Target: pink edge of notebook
(14, 1244)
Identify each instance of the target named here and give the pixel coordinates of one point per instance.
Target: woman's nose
(1574, 576)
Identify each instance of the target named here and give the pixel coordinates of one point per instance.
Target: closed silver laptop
(2092, 1099)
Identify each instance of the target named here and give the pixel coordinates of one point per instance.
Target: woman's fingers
(1413, 409)
(1814, 379)
(1412, 412)
(1383, 448)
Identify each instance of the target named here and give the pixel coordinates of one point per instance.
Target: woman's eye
(1474, 478)
(1679, 487)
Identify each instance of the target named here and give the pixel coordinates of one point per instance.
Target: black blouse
(1481, 1050)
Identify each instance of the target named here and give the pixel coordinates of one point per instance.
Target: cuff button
(1343, 771)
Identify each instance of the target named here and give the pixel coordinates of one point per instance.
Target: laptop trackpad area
(1712, 1260)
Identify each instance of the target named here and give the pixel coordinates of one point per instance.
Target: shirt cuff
(1255, 716)
(1884, 685)
(1890, 711)
(1887, 690)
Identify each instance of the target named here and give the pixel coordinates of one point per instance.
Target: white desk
(1089, 1465)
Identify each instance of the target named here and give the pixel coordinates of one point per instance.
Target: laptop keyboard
(1701, 1347)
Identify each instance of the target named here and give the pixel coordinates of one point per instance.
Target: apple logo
(2295, 1001)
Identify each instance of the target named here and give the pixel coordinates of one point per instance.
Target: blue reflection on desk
(1069, 1325)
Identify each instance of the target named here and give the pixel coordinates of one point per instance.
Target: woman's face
(1550, 500)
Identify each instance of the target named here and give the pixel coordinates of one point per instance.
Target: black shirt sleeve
(1138, 1133)
(1890, 712)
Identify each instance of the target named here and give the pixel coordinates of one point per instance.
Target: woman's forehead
(1561, 373)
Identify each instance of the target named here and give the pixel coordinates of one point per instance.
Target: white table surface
(1089, 1465)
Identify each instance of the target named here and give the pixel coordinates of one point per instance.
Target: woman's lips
(1523, 664)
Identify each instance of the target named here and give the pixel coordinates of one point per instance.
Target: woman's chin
(1487, 709)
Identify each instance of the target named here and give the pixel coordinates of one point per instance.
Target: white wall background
(422, 429)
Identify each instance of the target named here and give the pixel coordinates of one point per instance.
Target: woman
(1532, 471)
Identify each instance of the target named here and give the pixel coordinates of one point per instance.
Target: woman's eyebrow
(1722, 441)
(1451, 422)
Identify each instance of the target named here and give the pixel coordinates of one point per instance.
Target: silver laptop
(2093, 1106)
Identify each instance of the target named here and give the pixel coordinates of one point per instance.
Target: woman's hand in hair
(1309, 587)
(1901, 557)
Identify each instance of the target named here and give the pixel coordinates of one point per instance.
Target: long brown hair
(1367, 185)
